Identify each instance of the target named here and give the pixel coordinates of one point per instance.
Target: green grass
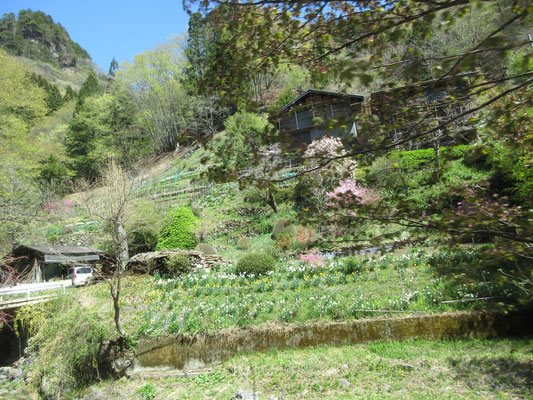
(471, 369)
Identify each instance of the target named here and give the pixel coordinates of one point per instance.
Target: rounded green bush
(178, 265)
(244, 243)
(282, 228)
(255, 264)
(207, 249)
(178, 232)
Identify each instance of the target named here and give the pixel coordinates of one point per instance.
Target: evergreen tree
(113, 68)
(53, 99)
(69, 95)
(206, 55)
(54, 174)
(89, 87)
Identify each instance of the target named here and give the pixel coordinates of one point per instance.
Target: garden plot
(314, 289)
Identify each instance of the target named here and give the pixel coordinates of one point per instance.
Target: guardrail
(27, 290)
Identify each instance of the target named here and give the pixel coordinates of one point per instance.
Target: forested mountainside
(35, 35)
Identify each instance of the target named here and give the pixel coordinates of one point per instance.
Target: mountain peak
(35, 35)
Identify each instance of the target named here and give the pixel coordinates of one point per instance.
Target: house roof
(320, 92)
(61, 254)
(428, 83)
(71, 250)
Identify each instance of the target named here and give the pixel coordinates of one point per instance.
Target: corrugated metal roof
(68, 259)
(321, 92)
(63, 250)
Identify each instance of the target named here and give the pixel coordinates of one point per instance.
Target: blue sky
(111, 28)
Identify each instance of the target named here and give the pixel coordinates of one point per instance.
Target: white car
(80, 275)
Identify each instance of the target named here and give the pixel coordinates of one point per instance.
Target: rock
(120, 365)
(94, 394)
(344, 383)
(7, 373)
(387, 388)
(408, 367)
(242, 394)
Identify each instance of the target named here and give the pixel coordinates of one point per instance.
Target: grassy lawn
(473, 369)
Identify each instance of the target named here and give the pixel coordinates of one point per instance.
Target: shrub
(299, 240)
(265, 226)
(66, 347)
(284, 195)
(352, 265)
(178, 265)
(244, 243)
(283, 227)
(178, 232)
(415, 160)
(142, 241)
(207, 249)
(385, 173)
(476, 155)
(455, 152)
(54, 233)
(255, 264)
(147, 392)
(273, 252)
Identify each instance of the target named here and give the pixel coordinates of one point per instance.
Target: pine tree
(113, 68)
(89, 87)
(70, 94)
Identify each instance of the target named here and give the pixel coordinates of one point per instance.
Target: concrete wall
(202, 350)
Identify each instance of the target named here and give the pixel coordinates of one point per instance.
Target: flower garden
(314, 288)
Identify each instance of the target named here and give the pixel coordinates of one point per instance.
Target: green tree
(113, 67)
(206, 55)
(54, 175)
(22, 105)
(178, 233)
(54, 100)
(241, 153)
(104, 127)
(242, 139)
(69, 95)
(155, 81)
(90, 87)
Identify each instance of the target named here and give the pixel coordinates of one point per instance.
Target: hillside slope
(45, 47)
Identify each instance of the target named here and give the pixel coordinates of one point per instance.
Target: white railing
(28, 289)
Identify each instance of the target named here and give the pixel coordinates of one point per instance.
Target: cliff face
(35, 35)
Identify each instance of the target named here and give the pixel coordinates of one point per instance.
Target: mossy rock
(283, 227)
(206, 249)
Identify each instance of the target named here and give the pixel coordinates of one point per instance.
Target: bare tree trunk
(436, 147)
(271, 201)
(121, 244)
(110, 209)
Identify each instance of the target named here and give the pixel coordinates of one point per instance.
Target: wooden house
(417, 107)
(43, 263)
(304, 119)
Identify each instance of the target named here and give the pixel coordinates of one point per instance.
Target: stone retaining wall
(202, 350)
